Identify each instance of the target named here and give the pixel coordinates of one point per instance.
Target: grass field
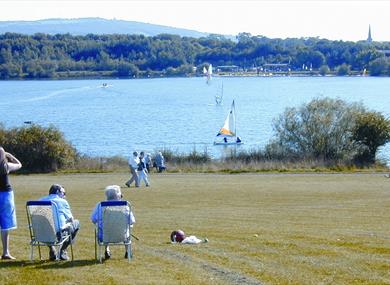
(262, 229)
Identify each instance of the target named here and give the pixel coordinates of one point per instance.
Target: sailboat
(227, 135)
(208, 72)
(219, 96)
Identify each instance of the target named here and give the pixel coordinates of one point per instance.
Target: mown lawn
(262, 229)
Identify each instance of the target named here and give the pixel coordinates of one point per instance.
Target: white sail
(228, 132)
(208, 72)
(219, 96)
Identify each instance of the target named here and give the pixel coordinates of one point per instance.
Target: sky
(331, 19)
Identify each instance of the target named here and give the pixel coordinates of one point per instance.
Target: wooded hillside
(64, 55)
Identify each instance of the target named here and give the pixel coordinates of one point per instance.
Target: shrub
(39, 149)
(371, 131)
(193, 157)
(379, 66)
(320, 129)
(343, 70)
(247, 156)
(324, 70)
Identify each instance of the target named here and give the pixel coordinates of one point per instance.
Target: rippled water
(175, 113)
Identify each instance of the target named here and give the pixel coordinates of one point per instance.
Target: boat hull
(228, 143)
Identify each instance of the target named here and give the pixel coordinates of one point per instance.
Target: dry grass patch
(263, 229)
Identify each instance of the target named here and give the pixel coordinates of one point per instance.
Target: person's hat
(178, 236)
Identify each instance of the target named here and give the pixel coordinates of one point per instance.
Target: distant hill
(85, 26)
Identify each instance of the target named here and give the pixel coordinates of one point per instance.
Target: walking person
(8, 163)
(148, 161)
(133, 164)
(142, 171)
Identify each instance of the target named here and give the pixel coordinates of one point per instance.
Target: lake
(175, 113)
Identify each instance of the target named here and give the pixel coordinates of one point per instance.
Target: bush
(321, 129)
(379, 66)
(247, 156)
(39, 149)
(343, 70)
(193, 157)
(371, 131)
(324, 70)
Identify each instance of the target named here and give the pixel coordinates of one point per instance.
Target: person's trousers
(72, 230)
(142, 175)
(134, 177)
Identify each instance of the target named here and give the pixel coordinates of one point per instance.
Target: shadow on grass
(45, 264)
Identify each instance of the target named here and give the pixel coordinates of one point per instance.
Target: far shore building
(228, 68)
(276, 67)
(386, 52)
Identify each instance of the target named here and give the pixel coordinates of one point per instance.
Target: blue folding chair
(113, 227)
(44, 225)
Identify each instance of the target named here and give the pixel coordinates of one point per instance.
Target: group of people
(70, 225)
(140, 165)
(57, 195)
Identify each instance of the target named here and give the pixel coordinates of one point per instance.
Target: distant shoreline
(155, 76)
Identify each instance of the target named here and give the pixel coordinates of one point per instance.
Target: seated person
(67, 222)
(113, 193)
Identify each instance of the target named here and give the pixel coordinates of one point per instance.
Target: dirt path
(223, 274)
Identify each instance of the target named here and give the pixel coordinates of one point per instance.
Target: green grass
(268, 229)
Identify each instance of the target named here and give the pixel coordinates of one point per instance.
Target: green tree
(324, 70)
(320, 129)
(378, 66)
(10, 71)
(127, 69)
(371, 131)
(343, 70)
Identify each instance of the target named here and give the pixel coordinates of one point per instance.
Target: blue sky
(332, 19)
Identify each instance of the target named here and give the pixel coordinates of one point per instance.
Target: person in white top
(133, 164)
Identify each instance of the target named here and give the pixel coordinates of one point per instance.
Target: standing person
(160, 163)
(148, 161)
(68, 223)
(142, 171)
(8, 163)
(133, 164)
(113, 193)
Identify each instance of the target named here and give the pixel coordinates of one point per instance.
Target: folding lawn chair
(113, 227)
(43, 222)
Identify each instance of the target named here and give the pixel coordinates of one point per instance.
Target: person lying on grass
(179, 236)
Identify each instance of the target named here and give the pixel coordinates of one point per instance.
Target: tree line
(65, 55)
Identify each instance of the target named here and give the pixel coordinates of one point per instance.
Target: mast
(234, 117)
